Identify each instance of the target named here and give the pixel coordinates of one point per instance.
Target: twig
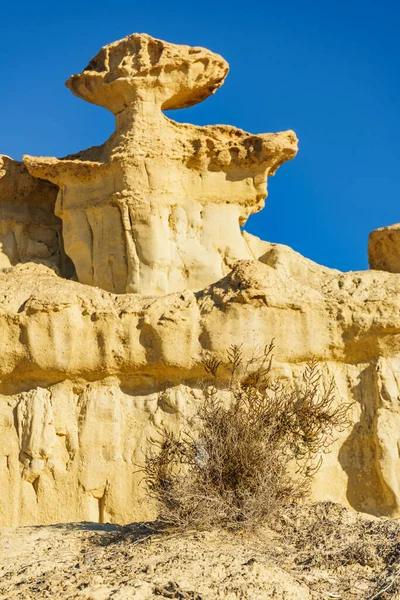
(386, 587)
(143, 539)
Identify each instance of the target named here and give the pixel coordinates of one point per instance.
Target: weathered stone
(140, 68)
(29, 229)
(384, 249)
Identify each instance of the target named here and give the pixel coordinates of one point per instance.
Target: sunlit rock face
(158, 207)
(121, 265)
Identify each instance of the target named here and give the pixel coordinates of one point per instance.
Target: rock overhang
(142, 67)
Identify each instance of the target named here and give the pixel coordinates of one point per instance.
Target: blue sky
(329, 70)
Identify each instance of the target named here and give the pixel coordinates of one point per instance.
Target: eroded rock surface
(92, 377)
(384, 249)
(158, 207)
(29, 229)
(89, 374)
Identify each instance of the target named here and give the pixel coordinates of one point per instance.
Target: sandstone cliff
(121, 264)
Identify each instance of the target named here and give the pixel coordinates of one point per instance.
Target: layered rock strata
(97, 357)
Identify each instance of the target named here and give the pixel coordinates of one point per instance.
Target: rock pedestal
(158, 207)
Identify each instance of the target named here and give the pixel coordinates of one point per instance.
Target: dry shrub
(237, 470)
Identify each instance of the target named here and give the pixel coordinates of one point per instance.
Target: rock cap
(140, 67)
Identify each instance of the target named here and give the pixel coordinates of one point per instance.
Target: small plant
(257, 446)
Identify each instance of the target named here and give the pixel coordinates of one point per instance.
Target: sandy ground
(102, 561)
(88, 560)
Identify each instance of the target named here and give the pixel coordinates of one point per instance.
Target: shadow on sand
(110, 533)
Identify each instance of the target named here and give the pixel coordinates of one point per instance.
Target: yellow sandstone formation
(29, 229)
(123, 263)
(157, 208)
(384, 249)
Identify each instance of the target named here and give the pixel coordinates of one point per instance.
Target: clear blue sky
(327, 69)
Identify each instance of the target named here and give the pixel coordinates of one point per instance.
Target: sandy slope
(96, 561)
(85, 561)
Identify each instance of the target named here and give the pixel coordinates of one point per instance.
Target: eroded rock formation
(158, 207)
(97, 356)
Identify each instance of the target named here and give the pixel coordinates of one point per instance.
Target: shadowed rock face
(29, 229)
(384, 249)
(158, 207)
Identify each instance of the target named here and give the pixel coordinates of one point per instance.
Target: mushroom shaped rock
(140, 67)
(158, 207)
